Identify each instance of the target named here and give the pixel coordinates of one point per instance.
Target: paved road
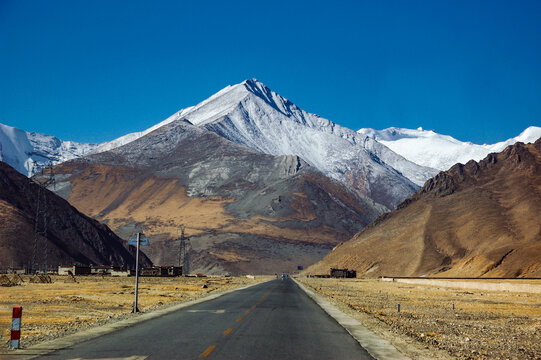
(273, 320)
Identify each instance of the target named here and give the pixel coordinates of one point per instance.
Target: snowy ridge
(251, 114)
(428, 148)
(29, 152)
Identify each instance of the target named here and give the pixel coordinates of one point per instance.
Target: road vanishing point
(271, 320)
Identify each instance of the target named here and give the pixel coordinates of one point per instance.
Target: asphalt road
(273, 320)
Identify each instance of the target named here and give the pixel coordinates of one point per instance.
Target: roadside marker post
(16, 327)
(137, 242)
(397, 307)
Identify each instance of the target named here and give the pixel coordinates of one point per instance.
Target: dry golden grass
(484, 324)
(62, 306)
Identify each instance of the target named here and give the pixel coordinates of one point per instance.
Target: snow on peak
(428, 148)
(29, 152)
(251, 114)
(529, 135)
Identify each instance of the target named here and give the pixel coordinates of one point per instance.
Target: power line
(40, 225)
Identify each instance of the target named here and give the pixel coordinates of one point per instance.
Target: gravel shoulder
(483, 325)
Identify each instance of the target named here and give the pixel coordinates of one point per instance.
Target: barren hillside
(70, 237)
(482, 219)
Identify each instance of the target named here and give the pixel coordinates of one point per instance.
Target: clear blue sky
(95, 70)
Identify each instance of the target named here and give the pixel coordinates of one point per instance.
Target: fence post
(16, 327)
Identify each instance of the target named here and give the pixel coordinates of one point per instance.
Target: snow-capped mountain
(29, 152)
(428, 148)
(251, 114)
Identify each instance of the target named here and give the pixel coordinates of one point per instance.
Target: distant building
(120, 272)
(161, 271)
(343, 273)
(101, 270)
(17, 271)
(74, 270)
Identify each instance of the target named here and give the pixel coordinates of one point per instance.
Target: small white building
(120, 272)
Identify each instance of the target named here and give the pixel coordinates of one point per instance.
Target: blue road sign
(142, 241)
(300, 267)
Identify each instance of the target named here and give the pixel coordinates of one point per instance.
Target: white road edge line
(48, 347)
(376, 346)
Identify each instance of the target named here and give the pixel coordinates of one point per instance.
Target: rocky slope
(244, 211)
(71, 237)
(474, 220)
(251, 114)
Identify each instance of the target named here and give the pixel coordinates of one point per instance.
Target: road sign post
(137, 242)
(135, 308)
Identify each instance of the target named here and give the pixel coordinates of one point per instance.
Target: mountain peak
(530, 134)
(252, 81)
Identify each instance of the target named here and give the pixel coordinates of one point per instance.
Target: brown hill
(475, 220)
(244, 211)
(71, 237)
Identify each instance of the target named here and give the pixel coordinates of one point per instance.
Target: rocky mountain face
(244, 211)
(428, 148)
(70, 236)
(481, 219)
(252, 115)
(29, 152)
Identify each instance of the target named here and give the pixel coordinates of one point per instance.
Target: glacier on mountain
(29, 152)
(428, 148)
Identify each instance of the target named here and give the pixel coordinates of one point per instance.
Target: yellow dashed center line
(207, 352)
(211, 348)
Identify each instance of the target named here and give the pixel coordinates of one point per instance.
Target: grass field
(483, 325)
(51, 310)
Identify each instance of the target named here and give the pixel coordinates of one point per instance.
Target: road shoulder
(376, 346)
(405, 346)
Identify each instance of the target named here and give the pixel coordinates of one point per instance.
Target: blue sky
(94, 70)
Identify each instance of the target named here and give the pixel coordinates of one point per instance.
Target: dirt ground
(483, 324)
(63, 307)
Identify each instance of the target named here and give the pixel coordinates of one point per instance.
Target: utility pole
(140, 240)
(183, 255)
